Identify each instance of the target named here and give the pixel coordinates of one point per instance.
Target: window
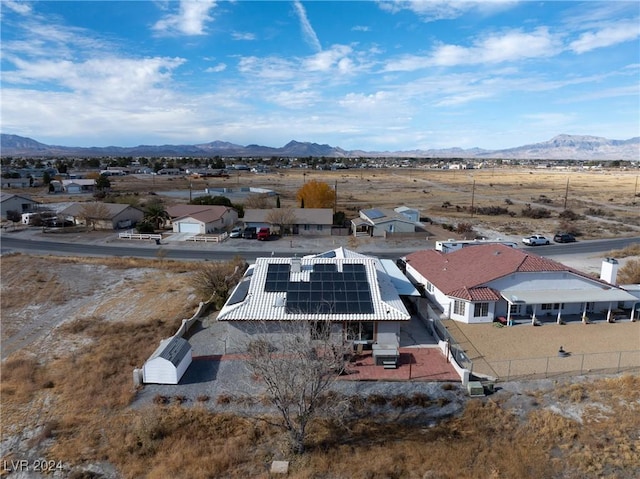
(458, 307)
(515, 309)
(359, 331)
(481, 310)
(306, 227)
(319, 227)
(429, 287)
(546, 307)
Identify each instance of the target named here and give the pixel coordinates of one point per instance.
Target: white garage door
(189, 227)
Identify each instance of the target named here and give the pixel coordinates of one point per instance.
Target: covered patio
(567, 305)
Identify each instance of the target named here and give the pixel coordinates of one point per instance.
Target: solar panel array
(374, 214)
(328, 290)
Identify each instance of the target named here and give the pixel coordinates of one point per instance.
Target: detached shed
(168, 363)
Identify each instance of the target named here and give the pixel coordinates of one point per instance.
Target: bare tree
(298, 365)
(258, 201)
(213, 281)
(282, 218)
(91, 213)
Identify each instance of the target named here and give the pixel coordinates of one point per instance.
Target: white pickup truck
(535, 240)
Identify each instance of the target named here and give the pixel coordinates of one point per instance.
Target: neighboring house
(359, 295)
(77, 186)
(103, 216)
(168, 362)
(480, 283)
(16, 182)
(380, 221)
(411, 214)
(201, 219)
(305, 221)
(18, 203)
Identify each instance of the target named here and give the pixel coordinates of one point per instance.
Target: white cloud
(360, 28)
(511, 46)
(508, 46)
(190, 19)
(432, 10)
(22, 8)
(326, 60)
(220, 67)
(607, 36)
(307, 30)
(243, 36)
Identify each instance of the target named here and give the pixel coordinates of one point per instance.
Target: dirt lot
(533, 350)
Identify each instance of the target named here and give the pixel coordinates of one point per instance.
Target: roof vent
(296, 265)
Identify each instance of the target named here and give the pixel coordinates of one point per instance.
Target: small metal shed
(169, 362)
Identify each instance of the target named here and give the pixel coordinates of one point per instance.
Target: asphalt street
(109, 245)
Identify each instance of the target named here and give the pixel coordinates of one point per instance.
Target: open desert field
(600, 203)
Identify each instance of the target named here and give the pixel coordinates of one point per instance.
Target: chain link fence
(574, 364)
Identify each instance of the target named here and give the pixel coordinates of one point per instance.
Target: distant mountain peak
(560, 147)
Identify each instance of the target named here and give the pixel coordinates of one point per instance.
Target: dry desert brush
(213, 281)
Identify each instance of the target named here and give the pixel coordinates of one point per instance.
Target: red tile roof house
(481, 283)
(202, 219)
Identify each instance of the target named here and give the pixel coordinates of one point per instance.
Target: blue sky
(367, 75)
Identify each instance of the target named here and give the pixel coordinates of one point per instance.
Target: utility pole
(566, 194)
(473, 194)
(335, 198)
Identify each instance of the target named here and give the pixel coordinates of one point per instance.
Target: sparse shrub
(179, 399)
(535, 213)
(491, 210)
(598, 212)
(569, 215)
(448, 386)
(464, 228)
(630, 272)
(446, 204)
(376, 400)
(224, 399)
(202, 398)
(400, 401)
(508, 201)
(421, 400)
(160, 399)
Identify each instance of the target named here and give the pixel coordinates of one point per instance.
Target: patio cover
(399, 280)
(567, 296)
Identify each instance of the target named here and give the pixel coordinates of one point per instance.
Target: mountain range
(561, 147)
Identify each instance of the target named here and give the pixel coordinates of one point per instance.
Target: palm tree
(156, 214)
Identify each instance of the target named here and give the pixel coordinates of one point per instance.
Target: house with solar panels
(381, 221)
(487, 282)
(361, 296)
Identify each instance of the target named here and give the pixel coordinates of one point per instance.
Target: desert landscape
(74, 328)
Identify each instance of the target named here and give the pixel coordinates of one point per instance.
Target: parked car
(564, 238)
(535, 240)
(264, 234)
(236, 232)
(250, 232)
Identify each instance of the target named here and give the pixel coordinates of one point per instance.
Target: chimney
(296, 265)
(609, 271)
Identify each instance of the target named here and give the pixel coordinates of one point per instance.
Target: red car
(264, 234)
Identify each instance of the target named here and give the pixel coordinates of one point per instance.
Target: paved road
(229, 250)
